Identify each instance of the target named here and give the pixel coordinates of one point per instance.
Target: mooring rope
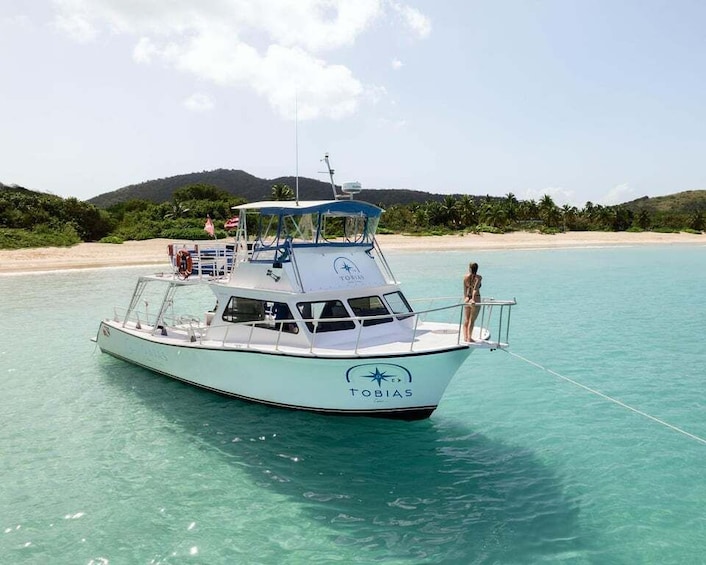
(611, 399)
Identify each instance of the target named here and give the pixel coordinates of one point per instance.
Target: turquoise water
(103, 462)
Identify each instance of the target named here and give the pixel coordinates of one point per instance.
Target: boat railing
(384, 266)
(295, 265)
(209, 259)
(148, 321)
(493, 321)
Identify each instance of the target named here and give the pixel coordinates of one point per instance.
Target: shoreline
(154, 251)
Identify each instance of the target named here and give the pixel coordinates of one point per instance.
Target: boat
(305, 314)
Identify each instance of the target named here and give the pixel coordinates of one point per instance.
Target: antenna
(330, 174)
(296, 145)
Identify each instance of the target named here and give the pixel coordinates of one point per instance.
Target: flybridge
(320, 222)
(277, 232)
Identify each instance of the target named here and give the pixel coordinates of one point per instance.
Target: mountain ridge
(242, 184)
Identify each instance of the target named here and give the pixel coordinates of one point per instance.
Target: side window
(278, 317)
(243, 310)
(312, 311)
(369, 306)
(398, 304)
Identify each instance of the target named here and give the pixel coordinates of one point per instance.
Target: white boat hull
(401, 385)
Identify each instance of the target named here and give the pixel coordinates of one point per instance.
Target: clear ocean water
(102, 462)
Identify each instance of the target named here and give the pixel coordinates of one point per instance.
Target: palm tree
(282, 192)
(177, 210)
(529, 210)
(568, 214)
(448, 207)
(511, 206)
(435, 213)
(604, 217)
(467, 211)
(548, 211)
(495, 215)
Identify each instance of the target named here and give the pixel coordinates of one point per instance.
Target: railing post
(279, 335)
(357, 339)
(414, 332)
(315, 323)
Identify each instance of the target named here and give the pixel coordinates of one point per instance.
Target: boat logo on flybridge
(379, 380)
(347, 270)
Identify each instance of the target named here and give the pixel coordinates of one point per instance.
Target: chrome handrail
(489, 305)
(199, 330)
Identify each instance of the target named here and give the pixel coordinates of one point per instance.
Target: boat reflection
(431, 491)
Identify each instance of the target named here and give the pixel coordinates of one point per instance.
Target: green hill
(251, 188)
(687, 202)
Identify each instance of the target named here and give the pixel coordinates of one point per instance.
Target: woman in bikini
(471, 296)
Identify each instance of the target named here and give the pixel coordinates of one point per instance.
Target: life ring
(184, 263)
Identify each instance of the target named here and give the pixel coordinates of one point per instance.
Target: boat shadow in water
(429, 491)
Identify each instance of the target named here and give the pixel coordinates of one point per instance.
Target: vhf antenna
(296, 144)
(330, 174)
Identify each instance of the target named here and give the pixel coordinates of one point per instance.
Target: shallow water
(107, 463)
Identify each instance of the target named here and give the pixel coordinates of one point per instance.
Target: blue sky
(589, 100)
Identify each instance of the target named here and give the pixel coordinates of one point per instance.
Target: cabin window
(313, 312)
(332, 228)
(369, 306)
(398, 304)
(273, 315)
(269, 229)
(278, 317)
(243, 310)
(348, 229)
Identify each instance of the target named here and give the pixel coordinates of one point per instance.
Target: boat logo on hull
(347, 270)
(379, 381)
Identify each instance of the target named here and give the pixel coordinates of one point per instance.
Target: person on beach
(471, 296)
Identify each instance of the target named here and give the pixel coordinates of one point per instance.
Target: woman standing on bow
(471, 296)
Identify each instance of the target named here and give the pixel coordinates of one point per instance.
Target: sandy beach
(154, 251)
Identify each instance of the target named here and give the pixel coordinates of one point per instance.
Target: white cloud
(273, 47)
(414, 19)
(619, 194)
(199, 102)
(77, 27)
(144, 51)
(397, 64)
(559, 195)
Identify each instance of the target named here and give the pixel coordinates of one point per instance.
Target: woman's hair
(473, 267)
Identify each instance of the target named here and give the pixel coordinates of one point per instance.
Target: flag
(232, 223)
(209, 226)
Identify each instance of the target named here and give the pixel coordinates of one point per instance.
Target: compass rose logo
(345, 267)
(379, 382)
(378, 374)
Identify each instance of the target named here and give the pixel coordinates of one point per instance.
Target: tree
(643, 220)
(622, 219)
(494, 214)
(200, 191)
(435, 213)
(282, 192)
(568, 214)
(449, 210)
(548, 211)
(696, 222)
(529, 210)
(511, 207)
(467, 211)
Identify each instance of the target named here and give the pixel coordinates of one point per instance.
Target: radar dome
(351, 187)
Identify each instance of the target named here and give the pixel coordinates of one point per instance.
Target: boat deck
(428, 338)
